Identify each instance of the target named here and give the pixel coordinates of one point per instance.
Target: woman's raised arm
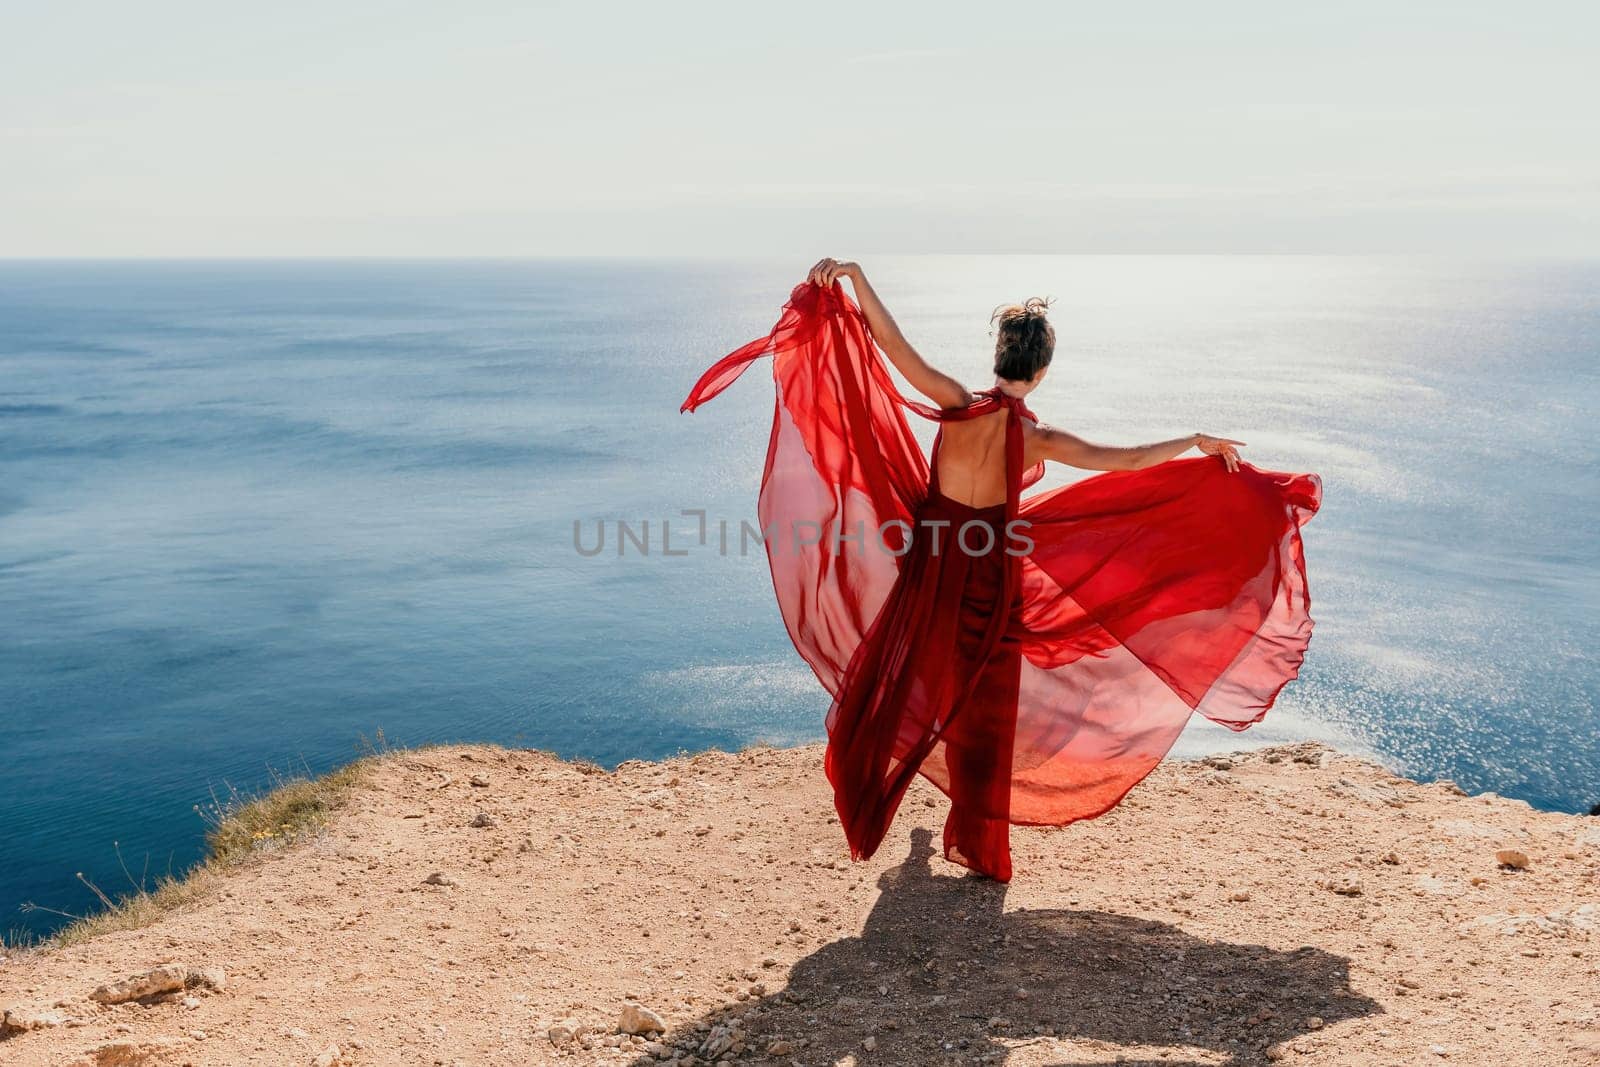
(931, 382)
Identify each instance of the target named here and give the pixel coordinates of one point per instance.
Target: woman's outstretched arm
(931, 382)
(1063, 447)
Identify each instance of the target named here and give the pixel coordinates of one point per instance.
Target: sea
(260, 517)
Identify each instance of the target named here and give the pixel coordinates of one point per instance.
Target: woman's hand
(1220, 446)
(827, 270)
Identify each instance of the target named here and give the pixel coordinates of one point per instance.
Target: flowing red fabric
(1034, 660)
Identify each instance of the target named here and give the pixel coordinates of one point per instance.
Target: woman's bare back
(972, 460)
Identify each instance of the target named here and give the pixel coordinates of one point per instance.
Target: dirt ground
(1287, 905)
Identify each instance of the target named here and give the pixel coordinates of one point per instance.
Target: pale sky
(356, 127)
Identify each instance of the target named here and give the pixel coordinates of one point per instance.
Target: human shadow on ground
(942, 974)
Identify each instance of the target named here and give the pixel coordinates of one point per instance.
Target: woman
(1033, 657)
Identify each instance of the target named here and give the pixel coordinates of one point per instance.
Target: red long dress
(1034, 674)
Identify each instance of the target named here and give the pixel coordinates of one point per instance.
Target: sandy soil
(1290, 904)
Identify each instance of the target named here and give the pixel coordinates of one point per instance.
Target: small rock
(332, 1056)
(1315, 1023)
(781, 1048)
(638, 1019)
(1346, 886)
(1512, 859)
(720, 1040)
(167, 979)
(438, 878)
(119, 1053)
(870, 1044)
(1239, 896)
(483, 820)
(480, 781)
(21, 1020)
(560, 1033)
(1310, 752)
(212, 978)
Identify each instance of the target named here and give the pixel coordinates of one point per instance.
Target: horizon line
(774, 256)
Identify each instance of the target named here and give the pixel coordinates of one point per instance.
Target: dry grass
(293, 808)
(242, 827)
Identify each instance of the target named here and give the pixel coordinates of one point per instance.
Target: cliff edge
(478, 905)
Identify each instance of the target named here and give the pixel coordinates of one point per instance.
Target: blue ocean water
(252, 512)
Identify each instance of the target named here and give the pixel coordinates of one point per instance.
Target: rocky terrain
(478, 905)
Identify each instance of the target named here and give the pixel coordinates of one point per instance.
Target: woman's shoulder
(977, 420)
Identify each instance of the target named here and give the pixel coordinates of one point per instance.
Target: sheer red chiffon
(1035, 659)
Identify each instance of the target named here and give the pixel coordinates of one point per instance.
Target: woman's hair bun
(1024, 338)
